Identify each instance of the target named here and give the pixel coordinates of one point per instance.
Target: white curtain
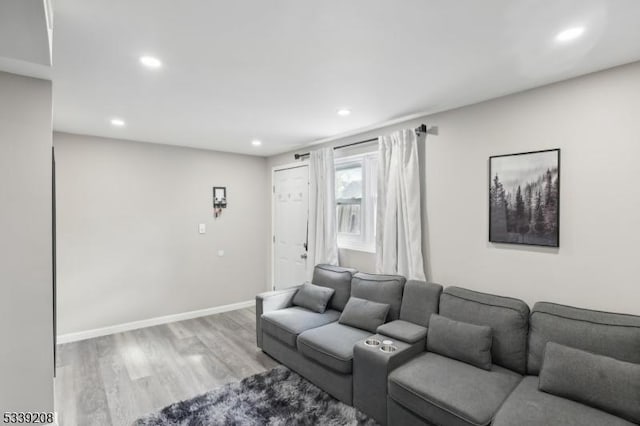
(398, 225)
(323, 235)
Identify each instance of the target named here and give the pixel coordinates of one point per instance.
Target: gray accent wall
(26, 296)
(594, 119)
(128, 241)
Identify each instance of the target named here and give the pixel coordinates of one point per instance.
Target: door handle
(303, 256)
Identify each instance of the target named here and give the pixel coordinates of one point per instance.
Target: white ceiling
(25, 38)
(278, 70)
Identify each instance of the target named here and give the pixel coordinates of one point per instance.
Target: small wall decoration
(524, 198)
(219, 200)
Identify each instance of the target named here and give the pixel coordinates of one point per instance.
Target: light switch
(202, 228)
(220, 253)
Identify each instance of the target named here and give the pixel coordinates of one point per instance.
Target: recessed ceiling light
(256, 142)
(118, 122)
(343, 112)
(569, 34)
(150, 62)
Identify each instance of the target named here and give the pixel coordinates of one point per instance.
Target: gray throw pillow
(596, 380)
(313, 297)
(459, 340)
(364, 314)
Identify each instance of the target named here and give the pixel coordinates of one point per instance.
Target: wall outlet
(202, 228)
(220, 253)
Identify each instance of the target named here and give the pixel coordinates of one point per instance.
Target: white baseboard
(97, 332)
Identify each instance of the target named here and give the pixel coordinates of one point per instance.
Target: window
(356, 201)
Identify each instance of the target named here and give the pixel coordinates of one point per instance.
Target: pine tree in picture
(524, 198)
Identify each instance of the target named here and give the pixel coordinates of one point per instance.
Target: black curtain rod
(433, 130)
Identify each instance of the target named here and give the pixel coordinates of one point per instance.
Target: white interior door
(291, 212)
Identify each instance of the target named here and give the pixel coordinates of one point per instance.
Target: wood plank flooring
(115, 379)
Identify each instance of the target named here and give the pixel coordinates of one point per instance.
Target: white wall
(595, 121)
(128, 242)
(26, 300)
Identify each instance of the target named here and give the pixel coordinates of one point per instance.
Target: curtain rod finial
(423, 128)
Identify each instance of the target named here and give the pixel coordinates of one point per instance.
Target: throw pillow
(313, 297)
(459, 340)
(364, 314)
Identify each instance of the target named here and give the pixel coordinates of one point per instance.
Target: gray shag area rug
(278, 397)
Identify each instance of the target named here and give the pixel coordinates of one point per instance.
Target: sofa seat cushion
(445, 391)
(404, 331)
(287, 324)
(332, 345)
(527, 406)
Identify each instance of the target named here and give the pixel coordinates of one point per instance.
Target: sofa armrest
(272, 301)
(404, 331)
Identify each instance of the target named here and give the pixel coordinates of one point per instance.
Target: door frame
(272, 242)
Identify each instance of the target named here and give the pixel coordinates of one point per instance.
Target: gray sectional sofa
(463, 357)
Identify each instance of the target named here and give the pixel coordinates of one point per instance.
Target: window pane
(349, 197)
(349, 218)
(349, 181)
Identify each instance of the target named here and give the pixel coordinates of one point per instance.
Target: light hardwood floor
(115, 379)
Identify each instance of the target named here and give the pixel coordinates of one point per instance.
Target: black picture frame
(524, 207)
(220, 197)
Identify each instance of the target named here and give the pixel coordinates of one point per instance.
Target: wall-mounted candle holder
(219, 200)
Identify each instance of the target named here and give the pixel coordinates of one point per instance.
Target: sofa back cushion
(507, 317)
(364, 314)
(380, 288)
(419, 301)
(595, 380)
(613, 335)
(337, 278)
(459, 340)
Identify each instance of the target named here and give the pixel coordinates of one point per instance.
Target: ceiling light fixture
(118, 122)
(570, 34)
(150, 62)
(343, 112)
(256, 142)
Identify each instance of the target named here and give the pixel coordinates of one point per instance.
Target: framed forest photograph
(524, 198)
